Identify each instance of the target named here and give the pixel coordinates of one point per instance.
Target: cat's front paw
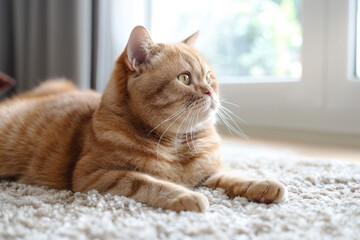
(260, 190)
(188, 201)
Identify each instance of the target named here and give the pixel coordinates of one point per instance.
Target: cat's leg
(259, 190)
(143, 188)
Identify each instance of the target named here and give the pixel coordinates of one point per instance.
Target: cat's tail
(50, 87)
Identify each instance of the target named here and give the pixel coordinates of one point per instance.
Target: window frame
(326, 98)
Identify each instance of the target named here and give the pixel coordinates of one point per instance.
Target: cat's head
(169, 86)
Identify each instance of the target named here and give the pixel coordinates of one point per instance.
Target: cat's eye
(184, 78)
(208, 78)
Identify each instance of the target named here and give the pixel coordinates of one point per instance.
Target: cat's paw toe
(189, 202)
(267, 191)
(260, 190)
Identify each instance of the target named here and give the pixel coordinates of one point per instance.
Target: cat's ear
(192, 39)
(138, 47)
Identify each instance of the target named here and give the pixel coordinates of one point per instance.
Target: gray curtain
(43, 39)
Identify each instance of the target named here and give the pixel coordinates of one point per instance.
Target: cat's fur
(126, 141)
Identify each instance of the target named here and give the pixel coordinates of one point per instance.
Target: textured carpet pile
(323, 203)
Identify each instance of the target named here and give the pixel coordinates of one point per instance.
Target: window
(245, 41)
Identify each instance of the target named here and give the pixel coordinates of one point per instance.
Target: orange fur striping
(148, 136)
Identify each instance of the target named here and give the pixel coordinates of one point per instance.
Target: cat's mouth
(211, 109)
(214, 105)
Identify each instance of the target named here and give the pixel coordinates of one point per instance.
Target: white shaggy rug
(323, 203)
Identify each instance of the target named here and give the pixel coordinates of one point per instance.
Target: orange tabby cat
(150, 136)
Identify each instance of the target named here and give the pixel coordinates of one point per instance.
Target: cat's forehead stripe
(186, 62)
(195, 62)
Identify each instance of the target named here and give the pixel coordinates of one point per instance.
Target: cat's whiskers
(187, 130)
(168, 119)
(227, 112)
(193, 117)
(177, 132)
(197, 115)
(191, 133)
(158, 144)
(196, 121)
(226, 117)
(225, 101)
(233, 114)
(226, 125)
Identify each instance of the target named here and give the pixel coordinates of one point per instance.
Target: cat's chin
(208, 119)
(214, 106)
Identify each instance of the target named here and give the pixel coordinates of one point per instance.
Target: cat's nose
(207, 90)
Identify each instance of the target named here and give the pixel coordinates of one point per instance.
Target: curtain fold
(6, 39)
(44, 39)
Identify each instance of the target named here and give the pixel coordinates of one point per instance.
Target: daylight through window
(240, 38)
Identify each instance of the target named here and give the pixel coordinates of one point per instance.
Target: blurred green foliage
(257, 38)
(253, 38)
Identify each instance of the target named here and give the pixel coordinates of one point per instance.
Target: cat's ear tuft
(191, 40)
(138, 47)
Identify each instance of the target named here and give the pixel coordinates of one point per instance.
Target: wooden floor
(307, 149)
